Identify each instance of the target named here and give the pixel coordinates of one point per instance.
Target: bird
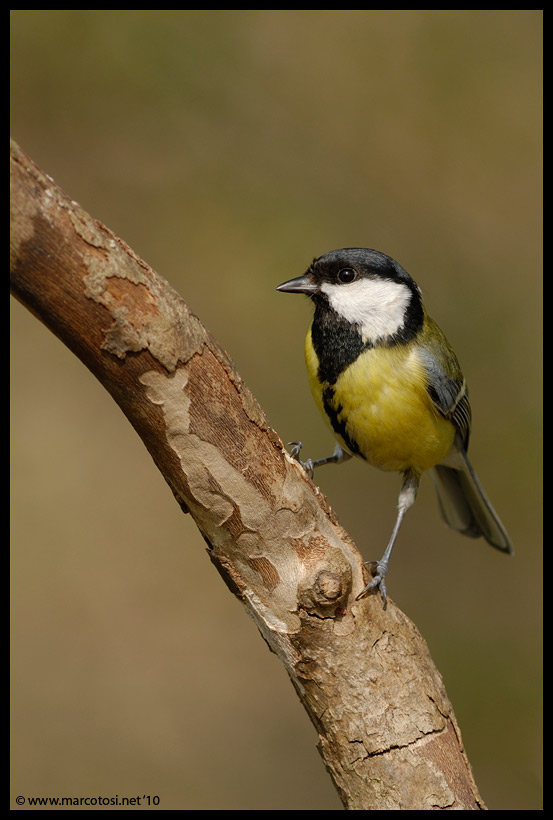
(390, 387)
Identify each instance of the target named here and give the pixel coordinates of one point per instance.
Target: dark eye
(347, 275)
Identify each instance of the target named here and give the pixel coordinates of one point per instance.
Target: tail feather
(464, 504)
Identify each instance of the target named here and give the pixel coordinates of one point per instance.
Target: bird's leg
(337, 457)
(407, 496)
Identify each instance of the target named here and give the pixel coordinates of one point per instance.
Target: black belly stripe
(338, 426)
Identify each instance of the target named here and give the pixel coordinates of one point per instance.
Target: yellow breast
(380, 404)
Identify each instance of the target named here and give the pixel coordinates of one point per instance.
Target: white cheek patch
(377, 306)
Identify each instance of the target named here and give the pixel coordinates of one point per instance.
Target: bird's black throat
(337, 342)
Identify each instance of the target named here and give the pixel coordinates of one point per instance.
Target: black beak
(301, 284)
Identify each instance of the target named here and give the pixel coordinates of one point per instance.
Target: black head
(364, 288)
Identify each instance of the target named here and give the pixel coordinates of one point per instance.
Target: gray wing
(449, 395)
(462, 500)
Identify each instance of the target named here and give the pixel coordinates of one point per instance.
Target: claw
(308, 466)
(296, 448)
(377, 582)
(295, 453)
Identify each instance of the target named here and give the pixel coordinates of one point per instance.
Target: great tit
(387, 381)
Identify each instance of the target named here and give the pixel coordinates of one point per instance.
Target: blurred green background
(229, 148)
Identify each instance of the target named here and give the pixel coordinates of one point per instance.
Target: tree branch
(387, 732)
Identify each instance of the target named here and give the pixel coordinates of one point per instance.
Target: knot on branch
(326, 593)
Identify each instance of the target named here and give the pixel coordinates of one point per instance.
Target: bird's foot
(379, 570)
(295, 453)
